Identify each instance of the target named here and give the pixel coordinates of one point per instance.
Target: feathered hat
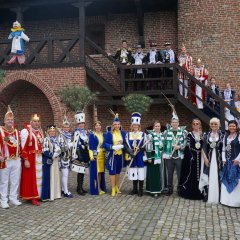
(116, 116)
(199, 60)
(9, 113)
(183, 47)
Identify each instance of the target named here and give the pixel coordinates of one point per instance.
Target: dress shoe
(15, 202)
(4, 205)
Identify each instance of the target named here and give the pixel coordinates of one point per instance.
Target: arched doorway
(26, 99)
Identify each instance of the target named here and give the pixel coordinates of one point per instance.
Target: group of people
(33, 162)
(228, 95)
(199, 96)
(207, 165)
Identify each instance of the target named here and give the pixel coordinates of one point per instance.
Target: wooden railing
(45, 52)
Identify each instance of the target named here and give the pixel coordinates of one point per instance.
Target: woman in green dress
(156, 181)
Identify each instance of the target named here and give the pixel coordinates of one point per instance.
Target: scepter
(134, 154)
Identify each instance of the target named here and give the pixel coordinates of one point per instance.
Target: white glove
(201, 78)
(117, 147)
(55, 155)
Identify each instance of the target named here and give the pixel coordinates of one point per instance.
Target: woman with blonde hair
(97, 160)
(191, 165)
(211, 162)
(113, 143)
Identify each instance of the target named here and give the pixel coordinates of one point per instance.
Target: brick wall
(210, 30)
(36, 90)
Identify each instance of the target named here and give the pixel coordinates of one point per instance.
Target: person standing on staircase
(186, 62)
(201, 74)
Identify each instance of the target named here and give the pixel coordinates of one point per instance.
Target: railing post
(122, 78)
(82, 29)
(222, 117)
(50, 50)
(175, 82)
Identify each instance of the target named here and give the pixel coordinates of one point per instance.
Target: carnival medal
(213, 144)
(13, 140)
(197, 145)
(228, 147)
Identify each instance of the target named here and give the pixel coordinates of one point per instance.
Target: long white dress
(213, 147)
(55, 183)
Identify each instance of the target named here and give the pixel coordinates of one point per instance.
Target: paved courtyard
(121, 217)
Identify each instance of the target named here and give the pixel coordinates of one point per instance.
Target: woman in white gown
(230, 175)
(211, 163)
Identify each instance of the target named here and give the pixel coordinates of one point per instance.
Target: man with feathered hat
(185, 61)
(201, 74)
(135, 140)
(31, 142)
(65, 141)
(174, 144)
(18, 40)
(80, 150)
(10, 162)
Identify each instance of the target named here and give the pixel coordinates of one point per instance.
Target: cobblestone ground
(121, 217)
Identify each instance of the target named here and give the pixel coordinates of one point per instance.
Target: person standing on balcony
(31, 142)
(124, 56)
(213, 104)
(18, 40)
(168, 56)
(201, 74)
(228, 96)
(186, 62)
(174, 144)
(153, 57)
(139, 59)
(114, 144)
(80, 150)
(10, 161)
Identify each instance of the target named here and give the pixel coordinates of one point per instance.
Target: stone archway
(28, 94)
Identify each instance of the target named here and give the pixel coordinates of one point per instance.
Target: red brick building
(58, 55)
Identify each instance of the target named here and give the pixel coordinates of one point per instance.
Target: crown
(35, 117)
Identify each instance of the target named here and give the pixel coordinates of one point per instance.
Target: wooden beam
(81, 5)
(140, 21)
(34, 3)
